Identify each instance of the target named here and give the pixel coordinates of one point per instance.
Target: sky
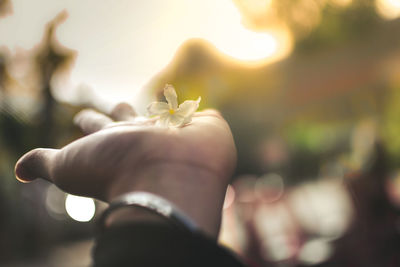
(122, 44)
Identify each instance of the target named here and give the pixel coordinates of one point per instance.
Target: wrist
(131, 214)
(151, 203)
(196, 191)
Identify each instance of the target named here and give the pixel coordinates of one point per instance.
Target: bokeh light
(55, 202)
(277, 232)
(323, 208)
(315, 251)
(269, 187)
(388, 9)
(81, 209)
(244, 188)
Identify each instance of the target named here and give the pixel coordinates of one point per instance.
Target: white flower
(169, 113)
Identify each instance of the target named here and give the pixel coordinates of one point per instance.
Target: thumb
(36, 163)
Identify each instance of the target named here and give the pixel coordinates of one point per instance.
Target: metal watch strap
(152, 203)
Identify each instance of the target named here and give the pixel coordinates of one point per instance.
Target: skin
(190, 166)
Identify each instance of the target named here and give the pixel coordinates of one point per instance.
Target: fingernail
(21, 173)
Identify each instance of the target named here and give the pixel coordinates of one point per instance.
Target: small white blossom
(169, 114)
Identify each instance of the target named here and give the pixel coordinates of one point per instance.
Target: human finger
(123, 112)
(35, 164)
(91, 121)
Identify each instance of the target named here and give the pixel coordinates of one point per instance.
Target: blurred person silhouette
(374, 237)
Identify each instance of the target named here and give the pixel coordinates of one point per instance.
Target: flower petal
(170, 95)
(188, 108)
(168, 120)
(157, 108)
(176, 120)
(163, 121)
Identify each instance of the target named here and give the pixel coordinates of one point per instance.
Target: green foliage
(340, 25)
(391, 124)
(313, 137)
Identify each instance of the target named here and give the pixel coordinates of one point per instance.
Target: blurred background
(310, 88)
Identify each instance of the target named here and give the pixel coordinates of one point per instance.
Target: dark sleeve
(157, 244)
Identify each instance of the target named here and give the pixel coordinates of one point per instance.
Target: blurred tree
(5, 8)
(338, 26)
(50, 58)
(314, 23)
(22, 231)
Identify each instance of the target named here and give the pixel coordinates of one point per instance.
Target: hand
(191, 166)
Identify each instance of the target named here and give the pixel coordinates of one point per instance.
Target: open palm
(120, 153)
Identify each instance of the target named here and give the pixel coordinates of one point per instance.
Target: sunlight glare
(388, 9)
(122, 44)
(239, 42)
(258, 46)
(80, 209)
